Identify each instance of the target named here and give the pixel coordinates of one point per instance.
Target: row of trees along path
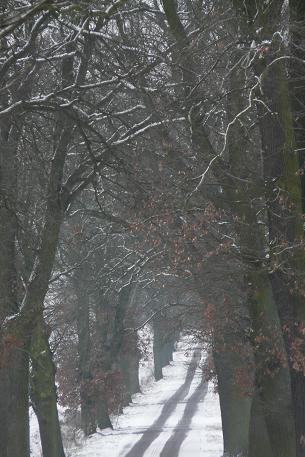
(152, 174)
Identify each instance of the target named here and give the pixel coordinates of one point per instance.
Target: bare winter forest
(152, 197)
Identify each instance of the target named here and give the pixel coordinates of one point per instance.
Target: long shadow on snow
(156, 428)
(173, 444)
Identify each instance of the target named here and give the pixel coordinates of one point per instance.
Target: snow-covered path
(178, 416)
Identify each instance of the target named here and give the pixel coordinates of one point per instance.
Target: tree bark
(280, 167)
(235, 404)
(43, 392)
(159, 347)
(102, 362)
(272, 372)
(285, 220)
(259, 442)
(129, 363)
(87, 395)
(103, 419)
(14, 405)
(269, 388)
(14, 419)
(296, 72)
(18, 329)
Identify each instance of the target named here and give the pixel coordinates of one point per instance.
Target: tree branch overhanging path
(151, 191)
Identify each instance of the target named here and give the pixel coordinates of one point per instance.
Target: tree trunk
(283, 186)
(133, 374)
(168, 348)
(43, 392)
(235, 376)
(102, 360)
(297, 28)
(235, 408)
(14, 405)
(103, 419)
(272, 372)
(87, 394)
(259, 442)
(286, 227)
(14, 421)
(287, 308)
(296, 74)
(129, 362)
(159, 347)
(16, 332)
(111, 331)
(252, 243)
(158, 374)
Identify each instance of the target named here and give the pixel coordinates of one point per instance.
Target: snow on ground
(146, 369)
(178, 416)
(35, 437)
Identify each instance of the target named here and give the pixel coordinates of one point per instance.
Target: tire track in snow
(156, 428)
